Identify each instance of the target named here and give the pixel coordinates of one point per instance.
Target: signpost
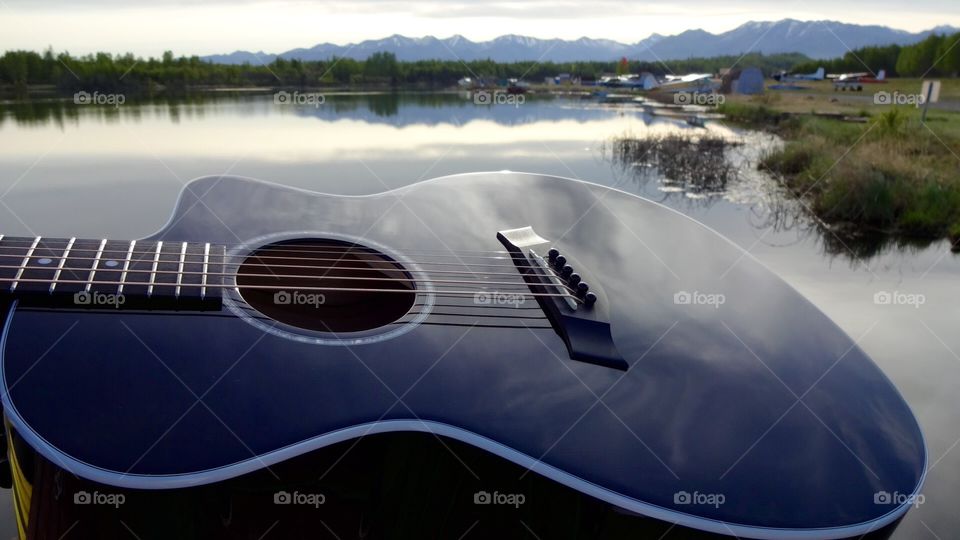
(931, 93)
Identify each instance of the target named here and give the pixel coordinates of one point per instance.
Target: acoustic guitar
(588, 335)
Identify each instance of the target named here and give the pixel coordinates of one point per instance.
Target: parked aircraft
(855, 81)
(785, 77)
(694, 82)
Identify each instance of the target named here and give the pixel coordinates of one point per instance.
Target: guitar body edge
(264, 393)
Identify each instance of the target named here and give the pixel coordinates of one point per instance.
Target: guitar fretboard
(127, 274)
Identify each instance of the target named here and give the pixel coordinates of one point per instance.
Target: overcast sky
(217, 26)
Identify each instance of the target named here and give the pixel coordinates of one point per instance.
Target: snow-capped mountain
(816, 39)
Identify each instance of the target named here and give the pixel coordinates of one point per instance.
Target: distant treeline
(935, 56)
(106, 72)
(769, 64)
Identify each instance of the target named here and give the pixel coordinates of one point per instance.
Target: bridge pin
(582, 288)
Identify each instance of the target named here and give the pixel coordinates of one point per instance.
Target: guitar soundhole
(326, 285)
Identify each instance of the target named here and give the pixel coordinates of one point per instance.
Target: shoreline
(864, 168)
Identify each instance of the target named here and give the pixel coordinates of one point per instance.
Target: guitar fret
(96, 263)
(60, 265)
(140, 274)
(183, 256)
(126, 266)
(23, 265)
(153, 272)
(206, 263)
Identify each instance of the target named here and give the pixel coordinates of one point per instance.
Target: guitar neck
(87, 273)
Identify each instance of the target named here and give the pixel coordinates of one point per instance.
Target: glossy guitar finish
(762, 399)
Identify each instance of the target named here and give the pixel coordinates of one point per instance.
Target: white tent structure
(647, 81)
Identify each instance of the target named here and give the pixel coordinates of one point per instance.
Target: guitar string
(412, 314)
(149, 256)
(270, 248)
(28, 241)
(467, 306)
(259, 316)
(297, 251)
(393, 267)
(419, 306)
(464, 324)
(154, 257)
(299, 289)
(434, 313)
(251, 311)
(144, 260)
(277, 276)
(355, 250)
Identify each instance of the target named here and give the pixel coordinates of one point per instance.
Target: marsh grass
(759, 115)
(892, 174)
(692, 163)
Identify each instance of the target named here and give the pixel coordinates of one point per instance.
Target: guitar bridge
(573, 302)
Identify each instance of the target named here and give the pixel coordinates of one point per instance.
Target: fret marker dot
(44, 261)
(111, 263)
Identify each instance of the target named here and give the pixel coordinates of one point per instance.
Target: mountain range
(816, 39)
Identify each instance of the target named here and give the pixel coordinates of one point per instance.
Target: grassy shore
(891, 173)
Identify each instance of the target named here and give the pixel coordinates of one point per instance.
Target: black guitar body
(699, 389)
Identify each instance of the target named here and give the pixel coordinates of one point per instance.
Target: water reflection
(692, 164)
(661, 158)
(784, 214)
(697, 168)
(398, 109)
(59, 111)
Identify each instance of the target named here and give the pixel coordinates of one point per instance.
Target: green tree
(381, 65)
(948, 55)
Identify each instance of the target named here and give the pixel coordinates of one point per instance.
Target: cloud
(219, 26)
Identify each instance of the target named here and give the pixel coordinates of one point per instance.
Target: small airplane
(643, 81)
(785, 77)
(694, 82)
(855, 81)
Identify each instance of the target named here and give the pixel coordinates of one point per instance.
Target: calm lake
(115, 171)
